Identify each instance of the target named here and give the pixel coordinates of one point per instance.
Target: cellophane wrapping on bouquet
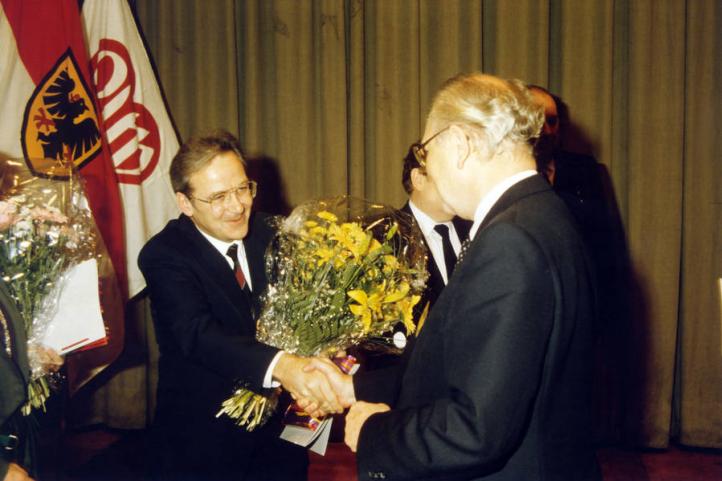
(46, 228)
(340, 271)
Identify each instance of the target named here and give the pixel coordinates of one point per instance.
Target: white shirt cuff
(268, 382)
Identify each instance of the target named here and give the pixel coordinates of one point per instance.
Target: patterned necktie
(232, 252)
(449, 254)
(464, 248)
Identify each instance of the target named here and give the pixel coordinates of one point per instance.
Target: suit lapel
(215, 264)
(529, 186)
(256, 255)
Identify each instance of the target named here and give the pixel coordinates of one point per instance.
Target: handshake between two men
(321, 388)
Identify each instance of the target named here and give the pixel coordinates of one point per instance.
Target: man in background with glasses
(443, 232)
(205, 272)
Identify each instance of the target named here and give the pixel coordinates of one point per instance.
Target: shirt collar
(491, 198)
(222, 246)
(426, 223)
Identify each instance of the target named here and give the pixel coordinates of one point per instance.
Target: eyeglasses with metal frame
(220, 200)
(419, 148)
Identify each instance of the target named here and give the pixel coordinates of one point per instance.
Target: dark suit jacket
(206, 337)
(14, 377)
(497, 386)
(585, 187)
(580, 181)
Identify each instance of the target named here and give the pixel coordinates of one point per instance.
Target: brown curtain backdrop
(328, 94)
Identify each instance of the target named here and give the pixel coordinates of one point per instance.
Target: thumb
(309, 367)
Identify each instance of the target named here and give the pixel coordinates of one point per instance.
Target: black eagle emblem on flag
(60, 128)
(65, 107)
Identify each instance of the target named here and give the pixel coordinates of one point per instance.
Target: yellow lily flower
(367, 308)
(327, 216)
(350, 236)
(374, 245)
(317, 231)
(398, 294)
(407, 312)
(390, 262)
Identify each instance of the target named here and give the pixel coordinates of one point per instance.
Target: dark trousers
(219, 452)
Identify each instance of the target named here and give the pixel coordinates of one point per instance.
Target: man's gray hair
(491, 110)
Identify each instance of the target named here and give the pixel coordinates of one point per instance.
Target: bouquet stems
(38, 393)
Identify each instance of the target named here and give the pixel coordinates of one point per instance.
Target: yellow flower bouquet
(340, 271)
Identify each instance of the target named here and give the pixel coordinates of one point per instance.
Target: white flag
(138, 128)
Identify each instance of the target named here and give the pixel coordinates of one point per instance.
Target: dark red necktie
(232, 252)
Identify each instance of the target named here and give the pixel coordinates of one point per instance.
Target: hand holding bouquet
(340, 271)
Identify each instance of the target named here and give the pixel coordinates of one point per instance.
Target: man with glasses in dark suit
(205, 273)
(443, 232)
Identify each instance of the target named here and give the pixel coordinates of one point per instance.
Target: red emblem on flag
(60, 126)
(131, 130)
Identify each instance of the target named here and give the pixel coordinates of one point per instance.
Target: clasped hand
(343, 387)
(307, 382)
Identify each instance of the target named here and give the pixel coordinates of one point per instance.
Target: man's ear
(418, 178)
(184, 204)
(461, 143)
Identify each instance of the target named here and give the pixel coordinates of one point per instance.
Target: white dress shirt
(433, 238)
(222, 247)
(491, 197)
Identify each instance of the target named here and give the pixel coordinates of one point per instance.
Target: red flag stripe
(34, 22)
